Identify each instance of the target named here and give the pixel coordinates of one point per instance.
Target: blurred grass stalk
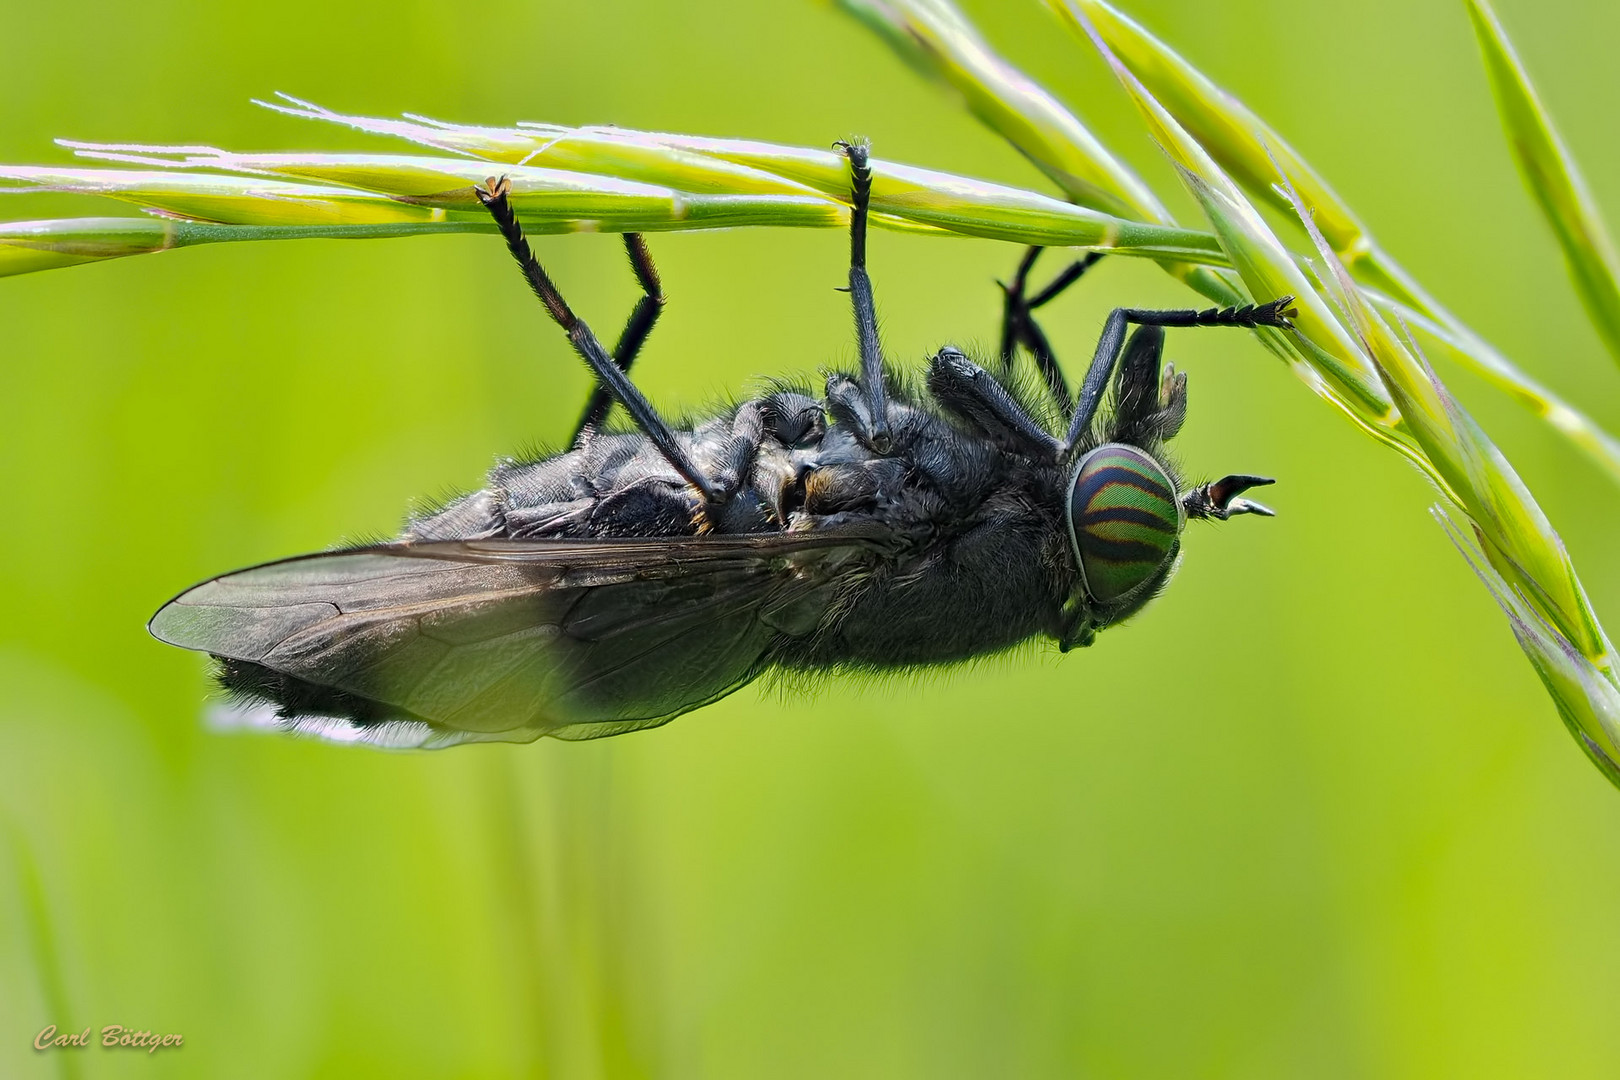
(1348, 297)
(1353, 297)
(1552, 177)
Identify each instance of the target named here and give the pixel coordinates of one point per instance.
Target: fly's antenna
(1218, 499)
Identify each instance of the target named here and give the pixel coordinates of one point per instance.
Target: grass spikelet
(1551, 616)
(1255, 155)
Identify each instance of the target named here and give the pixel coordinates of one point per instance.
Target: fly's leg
(608, 373)
(1018, 325)
(734, 463)
(640, 324)
(976, 397)
(1274, 313)
(863, 404)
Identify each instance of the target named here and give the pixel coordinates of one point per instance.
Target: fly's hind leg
(642, 319)
(1018, 325)
(609, 374)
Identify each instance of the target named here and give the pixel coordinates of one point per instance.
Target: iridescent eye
(1124, 520)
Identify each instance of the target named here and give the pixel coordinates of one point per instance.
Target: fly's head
(1125, 509)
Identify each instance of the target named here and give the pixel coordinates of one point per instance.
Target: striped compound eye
(1124, 520)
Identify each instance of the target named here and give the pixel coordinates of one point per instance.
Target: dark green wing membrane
(436, 643)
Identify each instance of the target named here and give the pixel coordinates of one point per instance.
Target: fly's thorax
(1124, 521)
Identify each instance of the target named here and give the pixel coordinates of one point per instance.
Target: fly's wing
(428, 644)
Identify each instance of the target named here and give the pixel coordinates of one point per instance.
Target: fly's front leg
(640, 324)
(974, 395)
(1277, 313)
(867, 408)
(609, 374)
(1018, 325)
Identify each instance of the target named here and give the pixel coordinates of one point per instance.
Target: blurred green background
(1311, 815)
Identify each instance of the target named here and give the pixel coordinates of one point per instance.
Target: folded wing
(428, 644)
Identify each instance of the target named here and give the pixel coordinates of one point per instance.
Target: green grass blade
(1267, 268)
(936, 40)
(1468, 351)
(1587, 702)
(770, 186)
(1570, 650)
(629, 155)
(906, 194)
(30, 246)
(1246, 148)
(222, 198)
(1520, 540)
(1552, 177)
(1253, 154)
(448, 182)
